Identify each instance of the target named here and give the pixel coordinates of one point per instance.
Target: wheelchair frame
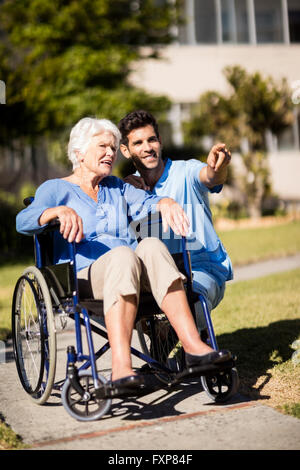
(213, 378)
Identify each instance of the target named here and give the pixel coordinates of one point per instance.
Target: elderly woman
(97, 211)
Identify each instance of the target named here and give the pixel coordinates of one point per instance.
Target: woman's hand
(173, 216)
(71, 226)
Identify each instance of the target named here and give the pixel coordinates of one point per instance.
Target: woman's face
(100, 154)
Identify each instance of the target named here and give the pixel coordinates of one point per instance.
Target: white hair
(82, 133)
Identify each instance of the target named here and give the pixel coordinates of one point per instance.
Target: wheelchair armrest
(52, 226)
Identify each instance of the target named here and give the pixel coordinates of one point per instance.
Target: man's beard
(138, 163)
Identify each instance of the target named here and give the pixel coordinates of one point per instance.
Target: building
(259, 35)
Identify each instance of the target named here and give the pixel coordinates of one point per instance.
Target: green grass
(9, 274)
(8, 439)
(258, 320)
(291, 409)
(243, 245)
(255, 244)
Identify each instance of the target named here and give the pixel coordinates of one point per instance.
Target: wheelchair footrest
(109, 390)
(196, 371)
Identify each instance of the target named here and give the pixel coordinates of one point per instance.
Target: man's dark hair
(135, 120)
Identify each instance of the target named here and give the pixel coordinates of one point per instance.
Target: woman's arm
(71, 226)
(44, 208)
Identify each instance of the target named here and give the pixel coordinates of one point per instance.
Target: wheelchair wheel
(82, 409)
(221, 386)
(34, 336)
(159, 341)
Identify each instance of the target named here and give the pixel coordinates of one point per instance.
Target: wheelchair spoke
(159, 340)
(221, 386)
(27, 335)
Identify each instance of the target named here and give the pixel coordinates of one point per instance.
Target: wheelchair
(46, 296)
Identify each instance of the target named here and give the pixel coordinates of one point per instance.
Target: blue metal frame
(39, 264)
(201, 298)
(90, 360)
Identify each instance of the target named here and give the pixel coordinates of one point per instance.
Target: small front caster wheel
(88, 407)
(221, 386)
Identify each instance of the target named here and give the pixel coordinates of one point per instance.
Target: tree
(241, 119)
(64, 59)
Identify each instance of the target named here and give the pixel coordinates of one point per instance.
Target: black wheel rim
(28, 335)
(85, 407)
(221, 386)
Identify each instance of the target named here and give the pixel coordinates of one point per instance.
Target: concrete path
(264, 268)
(181, 419)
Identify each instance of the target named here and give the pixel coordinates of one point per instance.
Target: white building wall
(185, 72)
(285, 174)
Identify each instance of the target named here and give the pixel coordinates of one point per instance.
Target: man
(188, 182)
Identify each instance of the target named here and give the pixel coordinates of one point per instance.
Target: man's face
(144, 147)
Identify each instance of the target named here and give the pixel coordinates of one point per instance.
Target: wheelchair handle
(186, 258)
(28, 200)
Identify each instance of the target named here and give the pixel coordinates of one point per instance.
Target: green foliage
(264, 104)
(12, 243)
(228, 209)
(214, 115)
(254, 106)
(64, 60)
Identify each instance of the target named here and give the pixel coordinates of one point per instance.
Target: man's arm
(215, 173)
(136, 181)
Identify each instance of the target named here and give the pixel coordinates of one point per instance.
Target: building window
(234, 20)
(241, 21)
(268, 19)
(205, 21)
(286, 140)
(294, 20)
(224, 21)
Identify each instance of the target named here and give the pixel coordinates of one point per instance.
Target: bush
(13, 245)
(228, 210)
